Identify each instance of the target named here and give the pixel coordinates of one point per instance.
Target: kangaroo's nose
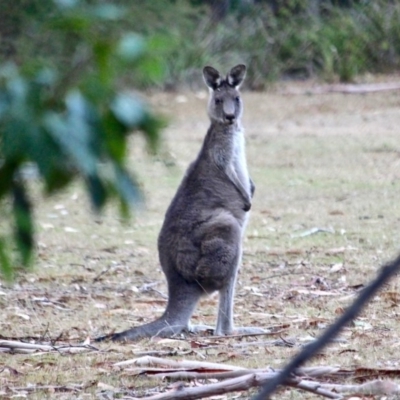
(230, 118)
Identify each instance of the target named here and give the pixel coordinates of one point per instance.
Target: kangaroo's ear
(236, 75)
(212, 78)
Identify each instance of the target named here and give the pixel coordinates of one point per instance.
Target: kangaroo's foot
(125, 336)
(249, 330)
(242, 330)
(156, 328)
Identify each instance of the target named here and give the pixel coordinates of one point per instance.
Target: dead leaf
(173, 344)
(105, 386)
(23, 316)
(393, 297)
(362, 324)
(336, 267)
(336, 212)
(6, 370)
(70, 230)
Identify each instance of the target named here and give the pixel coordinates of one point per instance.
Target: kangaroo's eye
(218, 101)
(237, 99)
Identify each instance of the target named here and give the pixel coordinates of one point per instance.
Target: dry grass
(323, 161)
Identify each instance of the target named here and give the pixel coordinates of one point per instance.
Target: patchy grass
(318, 161)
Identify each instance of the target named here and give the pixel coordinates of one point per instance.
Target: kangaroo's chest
(239, 162)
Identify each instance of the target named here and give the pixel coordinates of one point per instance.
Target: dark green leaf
(15, 135)
(59, 177)
(23, 222)
(97, 191)
(115, 137)
(7, 170)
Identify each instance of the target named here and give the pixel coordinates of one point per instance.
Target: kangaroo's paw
(247, 206)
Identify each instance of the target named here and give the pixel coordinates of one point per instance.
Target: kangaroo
(200, 243)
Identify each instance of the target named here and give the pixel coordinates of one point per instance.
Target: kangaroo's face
(225, 104)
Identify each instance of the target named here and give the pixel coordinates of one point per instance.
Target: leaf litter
(103, 276)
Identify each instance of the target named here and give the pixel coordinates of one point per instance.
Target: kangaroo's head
(225, 104)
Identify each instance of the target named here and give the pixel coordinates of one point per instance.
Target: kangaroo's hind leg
(225, 325)
(221, 254)
(183, 297)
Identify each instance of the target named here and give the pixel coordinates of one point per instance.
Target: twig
(158, 353)
(278, 342)
(386, 272)
(242, 335)
(98, 276)
(312, 231)
(75, 387)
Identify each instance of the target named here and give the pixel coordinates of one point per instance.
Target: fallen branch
(346, 88)
(241, 383)
(11, 346)
(235, 378)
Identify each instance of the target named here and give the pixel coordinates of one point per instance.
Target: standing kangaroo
(200, 243)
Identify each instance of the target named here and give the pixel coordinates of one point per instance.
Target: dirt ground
(326, 215)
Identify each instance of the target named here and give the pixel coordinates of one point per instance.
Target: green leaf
(115, 137)
(102, 51)
(108, 11)
(131, 46)
(128, 109)
(126, 187)
(74, 132)
(150, 70)
(66, 3)
(70, 142)
(151, 126)
(5, 264)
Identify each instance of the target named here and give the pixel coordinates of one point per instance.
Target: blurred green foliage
(330, 39)
(61, 110)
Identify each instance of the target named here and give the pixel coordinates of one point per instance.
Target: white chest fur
(239, 159)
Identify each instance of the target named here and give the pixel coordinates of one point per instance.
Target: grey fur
(200, 243)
